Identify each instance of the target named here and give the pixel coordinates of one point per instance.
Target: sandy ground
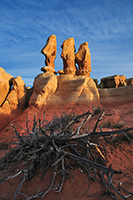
(119, 155)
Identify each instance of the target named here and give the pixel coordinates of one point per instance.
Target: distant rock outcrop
(129, 81)
(50, 50)
(68, 56)
(110, 82)
(122, 81)
(113, 81)
(116, 96)
(83, 60)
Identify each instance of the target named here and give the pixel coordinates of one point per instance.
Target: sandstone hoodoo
(73, 86)
(68, 88)
(68, 56)
(50, 50)
(83, 60)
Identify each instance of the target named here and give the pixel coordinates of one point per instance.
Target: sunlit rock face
(12, 92)
(83, 59)
(12, 97)
(50, 50)
(68, 56)
(75, 89)
(5, 83)
(44, 85)
(122, 81)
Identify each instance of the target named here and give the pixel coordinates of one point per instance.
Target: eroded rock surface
(5, 84)
(116, 96)
(129, 81)
(75, 89)
(122, 80)
(48, 69)
(50, 50)
(82, 58)
(44, 85)
(68, 56)
(110, 82)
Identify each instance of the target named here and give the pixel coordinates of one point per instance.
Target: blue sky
(107, 25)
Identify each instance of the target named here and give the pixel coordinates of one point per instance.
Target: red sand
(119, 156)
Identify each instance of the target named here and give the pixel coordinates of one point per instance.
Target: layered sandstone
(75, 89)
(62, 90)
(116, 96)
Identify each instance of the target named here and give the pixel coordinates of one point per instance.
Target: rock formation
(83, 60)
(16, 96)
(5, 85)
(75, 90)
(110, 82)
(50, 51)
(96, 82)
(48, 69)
(129, 81)
(12, 97)
(44, 85)
(122, 81)
(116, 96)
(68, 56)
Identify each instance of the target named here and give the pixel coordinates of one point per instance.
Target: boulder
(61, 72)
(110, 82)
(48, 69)
(75, 89)
(44, 85)
(5, 84)
(122, 81)
(68, 56)
(82, 58)
(129, 81)
(50, 50)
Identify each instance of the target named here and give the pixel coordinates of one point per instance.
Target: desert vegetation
(60, 146)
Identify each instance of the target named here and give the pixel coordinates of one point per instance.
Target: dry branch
(56, 145)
